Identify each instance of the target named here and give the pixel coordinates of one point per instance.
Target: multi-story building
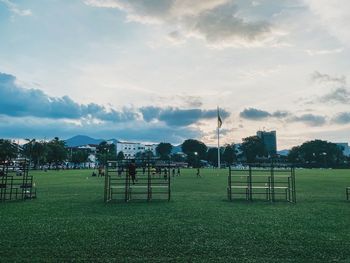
(345, 147)
(270, 141)
(151, 148)
(130, 149)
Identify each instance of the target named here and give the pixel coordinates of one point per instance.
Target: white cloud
(334, 16)
(315, 52)
(15, 9)
(256, 3)
(216, 21)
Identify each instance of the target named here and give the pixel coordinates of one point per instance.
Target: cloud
(333, 16)
(325, 78)
(14, 8)
(150, 113)
(182, 101)
(219, 22)
(339, 95)
(310, 119)
(256, 114)
(157, 11)
(259, 115)
(224, 131)
(32, 113)
(342, 118)
(316, 52)
(255, 3)
(280, 114)
(179, 117)
(223, 27)
(20, 102)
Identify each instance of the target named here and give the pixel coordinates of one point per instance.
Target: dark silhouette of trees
(253, 147)
(79, 156)
(164, 150)
(195, 151)
(229, 155)
(8, 150)
(212, 156)
(120, 156)
(317, 153)
(56, 152)
(36, 152)
(178, 157)
(192, 146)
(106, 152)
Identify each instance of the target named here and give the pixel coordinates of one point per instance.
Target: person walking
(198, 173)
(132, 171)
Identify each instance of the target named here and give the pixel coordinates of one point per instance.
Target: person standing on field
(198, 173)
(132, 171)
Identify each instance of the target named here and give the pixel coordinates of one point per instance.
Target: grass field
(69, 222)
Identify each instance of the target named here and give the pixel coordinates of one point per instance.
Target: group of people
(154, 170)
(132, 171)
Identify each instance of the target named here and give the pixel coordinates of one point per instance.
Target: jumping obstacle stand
(15, 181)
(152, 181)
(270, 182)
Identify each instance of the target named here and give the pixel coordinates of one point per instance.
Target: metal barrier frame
(269, 188)
(147, 184)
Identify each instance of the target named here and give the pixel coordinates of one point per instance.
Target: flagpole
(219, 164)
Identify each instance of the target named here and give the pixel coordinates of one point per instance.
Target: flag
(219, 120)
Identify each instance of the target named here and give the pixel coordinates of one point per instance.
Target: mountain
(176, 149)
(283, 152)
(81, 140)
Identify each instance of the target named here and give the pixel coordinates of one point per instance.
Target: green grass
(69, 222)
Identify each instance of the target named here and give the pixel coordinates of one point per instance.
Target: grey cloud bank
(342, 118)
(17, 101)
(20, 102)
(310, 119)
(31, 113)
(258, 115)
(321, 77)
(179, 117)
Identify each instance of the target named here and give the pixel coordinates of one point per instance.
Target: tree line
(53, 153)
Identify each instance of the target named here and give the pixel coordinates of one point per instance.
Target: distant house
(130, 149)
(91, 147)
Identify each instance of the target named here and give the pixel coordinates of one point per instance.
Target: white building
(130, 149)
(151, 147)
(91, 147)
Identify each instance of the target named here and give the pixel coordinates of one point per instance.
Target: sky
(156, 70)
